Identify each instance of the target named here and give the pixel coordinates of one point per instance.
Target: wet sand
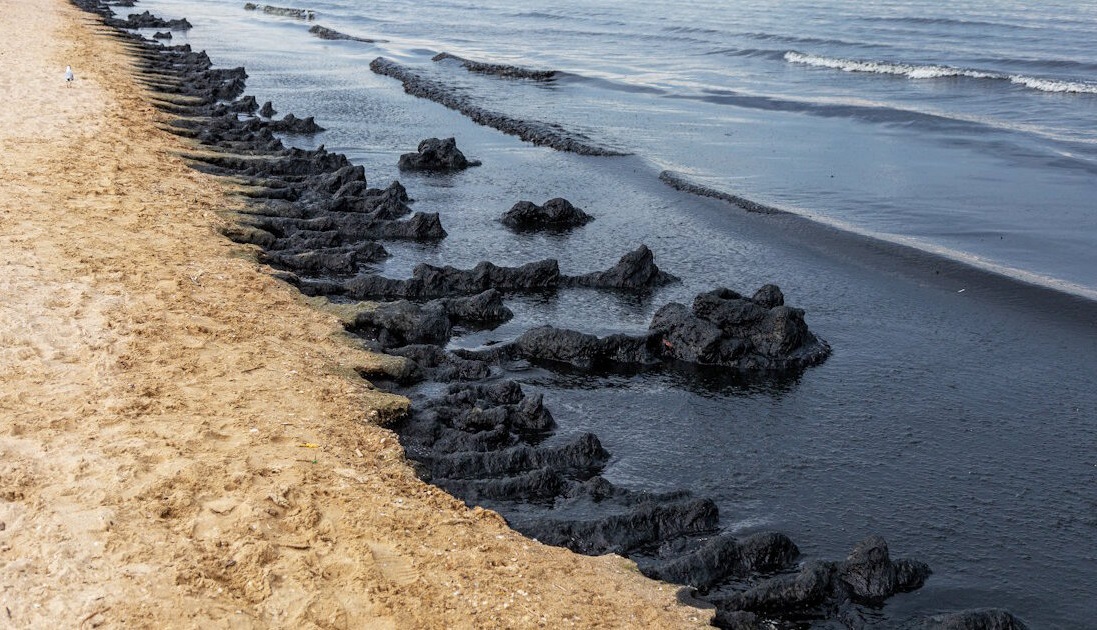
(184, 441)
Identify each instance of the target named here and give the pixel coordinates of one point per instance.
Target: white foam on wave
(1052, 85)
(883, 67)
(915, 71)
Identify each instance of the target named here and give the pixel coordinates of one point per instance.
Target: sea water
(964, 127)
(923, 142)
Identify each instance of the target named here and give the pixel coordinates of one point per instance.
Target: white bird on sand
(69, 76)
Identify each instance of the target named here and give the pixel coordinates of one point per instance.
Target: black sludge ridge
(539, 133)
(402, 323)
(300, 14)
(436, 155)
(867, 576)
(642, 525)
(582, 457)
(498, 69)
(342, 260)
(540, 484)
(722, 330)
(678, 181)
(636, 271)
(431, 362)
(727, 556)
(148, 20)
(429, 281)
(556, 215)
(324, 32)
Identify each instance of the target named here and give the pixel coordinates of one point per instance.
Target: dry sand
(161, 394)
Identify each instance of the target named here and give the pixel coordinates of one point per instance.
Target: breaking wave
(915, 71)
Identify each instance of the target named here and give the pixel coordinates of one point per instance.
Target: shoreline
(836, 321)
(329, 205)
(157, 419)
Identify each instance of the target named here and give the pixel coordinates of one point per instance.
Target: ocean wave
(1042, 65)
(693, 29)
(945, 21)
(541, 15)
(916, 71)
(883, 67)
(811, 41)
(761, 53)
(1054, 85)
(950, 127)
(619, 84)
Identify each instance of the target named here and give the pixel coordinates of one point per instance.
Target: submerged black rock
(470, 442)
(726, 329)
(498, 69)
(162, 35)
(635, 270)
(582, 457)
(502, 403)
(539, 133)
(433, 363)
(429, 281)
(872, 576)
(343, 260)
(639, 526)
(293, 124)
(678, 181)
(402, 323)
(244, 105)
(867, 576)
(726, 556)
(556, 214)
(148, 20)
(326, 33)
(723, 329)
(589, 352)
(327, 231)
(300, 14)
(291, 164)
(434, 154)
(540, 484)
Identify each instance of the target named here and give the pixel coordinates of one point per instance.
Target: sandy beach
(184, 441)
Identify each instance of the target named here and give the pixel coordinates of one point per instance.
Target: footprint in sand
(394, 567)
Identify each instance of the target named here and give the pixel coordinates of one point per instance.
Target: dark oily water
(964, 130)
(955, 417)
